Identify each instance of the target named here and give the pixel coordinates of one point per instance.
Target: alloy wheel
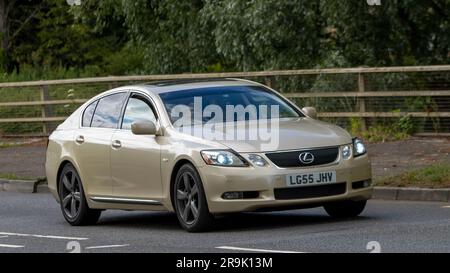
(71, 194)
(187, 198)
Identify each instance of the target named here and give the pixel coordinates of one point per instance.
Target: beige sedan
(203, 148)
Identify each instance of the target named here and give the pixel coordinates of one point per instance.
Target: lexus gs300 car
(141, 148)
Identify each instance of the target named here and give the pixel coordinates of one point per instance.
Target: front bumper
(264, 180)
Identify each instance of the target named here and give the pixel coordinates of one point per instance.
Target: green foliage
(397, 32)
(355, 127)
(126, 61)
(393, 129)
(173, 36)
(11, 176)
(48, 34)
(261, 34)
(405, 125)
(434, 176)
(170, 34)
(30, 73)
(382, 133)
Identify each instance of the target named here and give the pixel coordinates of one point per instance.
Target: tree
(172, 36)
(15, 19)
(402, 32)
(267, 34)
(63, 40)
(172, 33)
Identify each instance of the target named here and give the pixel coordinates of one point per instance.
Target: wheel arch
(175, 169)
(63, 163)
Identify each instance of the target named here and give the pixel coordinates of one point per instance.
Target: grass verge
(434, 176)
(11, 176)
(10, 145)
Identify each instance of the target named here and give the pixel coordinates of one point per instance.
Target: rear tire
(190, 202)
(345, 209)
(73, 202)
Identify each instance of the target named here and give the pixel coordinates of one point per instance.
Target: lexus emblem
(306, 158)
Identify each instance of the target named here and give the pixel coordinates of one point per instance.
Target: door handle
(116, 144)
(79, 139)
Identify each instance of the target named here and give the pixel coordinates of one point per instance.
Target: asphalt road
(33, 223)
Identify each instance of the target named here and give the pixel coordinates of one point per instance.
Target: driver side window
(138, 108)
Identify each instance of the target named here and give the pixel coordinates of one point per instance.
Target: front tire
(190, 200)
(73, 200)
(345, 209)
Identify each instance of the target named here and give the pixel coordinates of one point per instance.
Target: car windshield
(225, 104)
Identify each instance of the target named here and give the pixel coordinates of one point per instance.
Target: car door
(135, 159)
(93, 143)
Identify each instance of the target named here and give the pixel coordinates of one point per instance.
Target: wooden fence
(361, 94)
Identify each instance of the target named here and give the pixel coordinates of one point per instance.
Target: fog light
(233, 195)
(361, 184)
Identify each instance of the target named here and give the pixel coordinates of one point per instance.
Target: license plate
(308, 179)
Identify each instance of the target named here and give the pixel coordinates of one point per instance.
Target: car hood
(291, 134)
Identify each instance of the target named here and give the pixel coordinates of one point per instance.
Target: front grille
(291, 159)
(310, 192)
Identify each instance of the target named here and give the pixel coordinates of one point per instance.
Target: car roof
(159, 87)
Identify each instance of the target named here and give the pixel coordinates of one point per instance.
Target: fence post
(360, 101)
(112, 85)
(46, 110)
(270, 82)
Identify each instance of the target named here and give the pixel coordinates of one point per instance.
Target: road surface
(33, 223)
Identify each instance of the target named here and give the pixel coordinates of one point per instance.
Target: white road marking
(109, 246)
(257, 250)
(446, 207)
(6, 236)
(43, 236)
(11, 246)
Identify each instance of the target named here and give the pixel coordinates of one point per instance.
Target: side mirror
(143, 127)
(310, 112)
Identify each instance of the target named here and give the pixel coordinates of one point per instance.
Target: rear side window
(88, 113)
(107, 113)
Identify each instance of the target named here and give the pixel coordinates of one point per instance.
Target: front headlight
(225, 158)
(358, 147)
(346, 151)
(257, 160)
